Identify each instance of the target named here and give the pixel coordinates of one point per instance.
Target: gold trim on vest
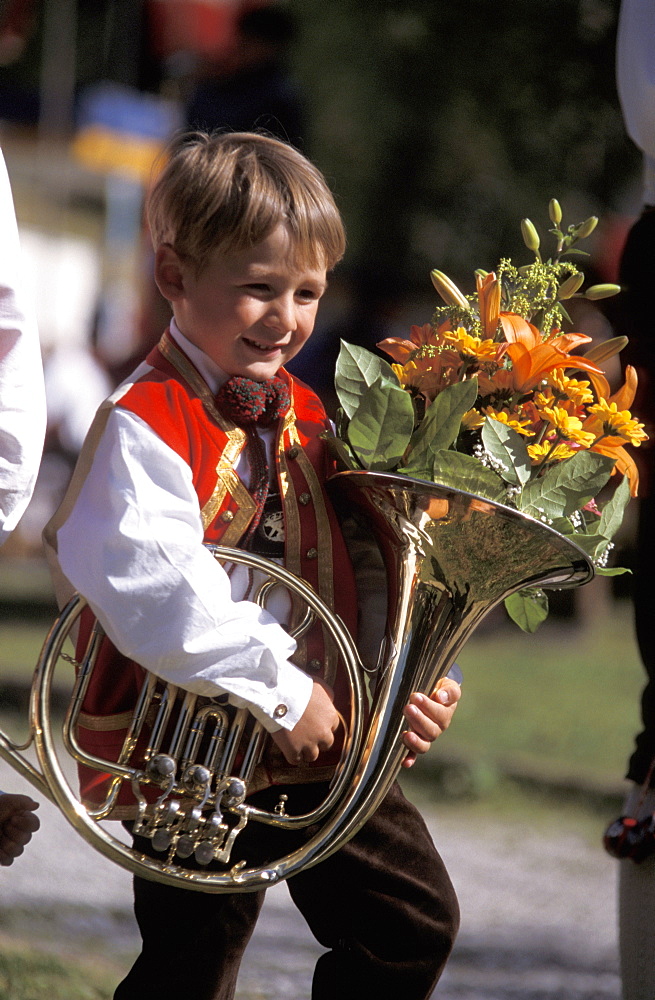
(227, 481)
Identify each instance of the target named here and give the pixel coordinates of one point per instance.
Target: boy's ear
(170, 273)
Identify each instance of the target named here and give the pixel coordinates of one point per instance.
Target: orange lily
(533, 359)
(488, 289)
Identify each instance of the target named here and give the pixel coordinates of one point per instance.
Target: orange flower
(533, 359)
(400, 349)
(431, 374)
(488, 289)
(613, 445)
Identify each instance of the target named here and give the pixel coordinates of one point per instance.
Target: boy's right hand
(313, 732)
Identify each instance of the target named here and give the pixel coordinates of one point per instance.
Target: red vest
(175, 401)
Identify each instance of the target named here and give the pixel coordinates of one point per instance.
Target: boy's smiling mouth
(262, 348)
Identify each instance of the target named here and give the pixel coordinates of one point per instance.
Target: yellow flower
(541, 400)
(618, 423)
(471, 346)
(472, 420)
(579, 392)
(521, 426)
(560, 453)
(613, 446)
(567, 425)
(401, 373)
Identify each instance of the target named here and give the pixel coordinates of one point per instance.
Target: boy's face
(249, 311)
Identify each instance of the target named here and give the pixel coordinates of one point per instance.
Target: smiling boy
(208, 437)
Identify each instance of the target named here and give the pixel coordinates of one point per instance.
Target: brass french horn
(450, 556)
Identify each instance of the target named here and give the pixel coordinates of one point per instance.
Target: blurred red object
(203, 27)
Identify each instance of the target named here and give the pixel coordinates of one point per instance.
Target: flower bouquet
(494, 398)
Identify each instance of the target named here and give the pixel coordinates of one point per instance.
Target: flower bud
(595, 292)
(587, 227)
(530, 235)
(607, 349)
(554, 211)
(448, 290)
(570, 286)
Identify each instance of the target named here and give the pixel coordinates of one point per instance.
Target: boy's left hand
(428, 717)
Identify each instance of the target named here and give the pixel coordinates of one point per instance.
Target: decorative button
(280, 712)
(314, 666)
(227, 516)
(311, 553)
(304, 499)
(293, 452)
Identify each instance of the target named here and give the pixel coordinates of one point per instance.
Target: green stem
(558, 439)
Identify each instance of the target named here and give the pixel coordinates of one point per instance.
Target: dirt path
(538, 911)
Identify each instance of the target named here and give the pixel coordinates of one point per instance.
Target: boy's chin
(259, 372)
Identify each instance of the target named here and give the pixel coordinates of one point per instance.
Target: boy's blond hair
(228, 191)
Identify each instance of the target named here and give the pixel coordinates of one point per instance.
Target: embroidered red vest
(173, 399)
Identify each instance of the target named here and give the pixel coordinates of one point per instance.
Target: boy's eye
(308, 294)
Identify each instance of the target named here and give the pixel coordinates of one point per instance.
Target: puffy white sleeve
(22, 396)
(132, 545)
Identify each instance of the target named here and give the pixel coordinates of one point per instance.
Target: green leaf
(528, 608)
(380, 428)
(356, 371)
(564, 526)
(612, 515)
(566, 487)
(508, 448)
(441, 424)
(340, 451)
(612, 570)
(341, 421)
(576, 251)
(593, 545)
(463, 472)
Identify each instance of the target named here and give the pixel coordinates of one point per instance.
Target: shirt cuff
(283, 707)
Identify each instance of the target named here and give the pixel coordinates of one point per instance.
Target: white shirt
(22, 396)
(132, 546)
(635, 75)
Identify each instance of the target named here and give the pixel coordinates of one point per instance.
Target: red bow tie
(247, 402)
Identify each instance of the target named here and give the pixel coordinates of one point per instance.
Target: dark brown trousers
(383, 906)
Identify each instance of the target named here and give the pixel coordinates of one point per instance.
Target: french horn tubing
(450, 558)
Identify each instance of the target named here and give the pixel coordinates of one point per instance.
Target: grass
(20, 645)
(563, 701)
(26, 974)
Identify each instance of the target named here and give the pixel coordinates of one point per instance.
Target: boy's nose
(282, 315)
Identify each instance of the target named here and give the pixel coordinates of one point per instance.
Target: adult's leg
(385, 908)
(636, 922)
(637, 911)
